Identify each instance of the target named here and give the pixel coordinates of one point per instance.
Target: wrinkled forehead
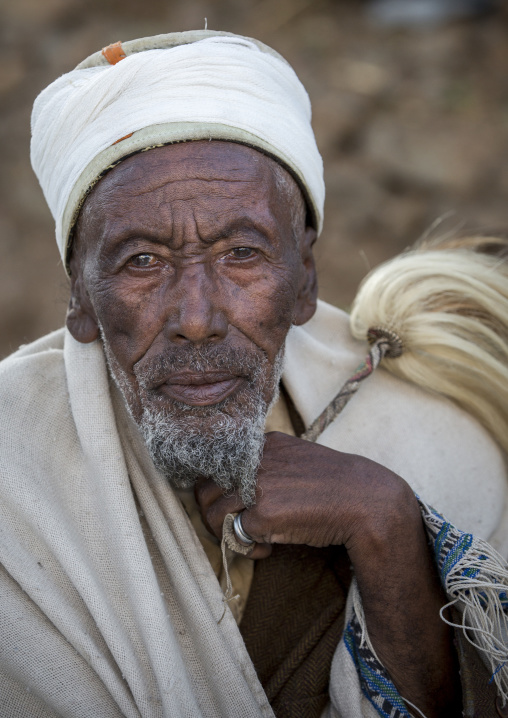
(213, 180)
(198, 161)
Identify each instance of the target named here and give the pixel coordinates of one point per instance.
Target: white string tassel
(475, 578)
(229, 542)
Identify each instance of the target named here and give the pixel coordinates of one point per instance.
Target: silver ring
(241, 535)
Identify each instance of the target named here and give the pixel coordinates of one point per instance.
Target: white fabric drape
(109, 606)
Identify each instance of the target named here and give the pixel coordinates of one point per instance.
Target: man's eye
(143, 260)
(242, 252)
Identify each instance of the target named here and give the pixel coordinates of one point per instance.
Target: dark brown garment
(293, 622)
(479, 696)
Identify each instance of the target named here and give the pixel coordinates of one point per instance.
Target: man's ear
(81, 320)
(306, 302)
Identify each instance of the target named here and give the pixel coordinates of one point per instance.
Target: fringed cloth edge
(475, 579)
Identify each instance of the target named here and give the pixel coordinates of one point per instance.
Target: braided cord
(383, 343)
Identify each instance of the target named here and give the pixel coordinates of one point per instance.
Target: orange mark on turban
(114, 53)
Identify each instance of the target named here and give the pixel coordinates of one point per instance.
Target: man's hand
(309, 494)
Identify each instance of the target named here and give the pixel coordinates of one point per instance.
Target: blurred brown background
(412, 124)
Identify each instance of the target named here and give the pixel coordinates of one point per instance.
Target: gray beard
(223, 442)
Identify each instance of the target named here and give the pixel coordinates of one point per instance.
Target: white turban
(170, 88)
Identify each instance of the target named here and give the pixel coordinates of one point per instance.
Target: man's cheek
(275, 319)
(264, 328)
(281, 302)
(265, 311)
(129, 326)
(123, 352)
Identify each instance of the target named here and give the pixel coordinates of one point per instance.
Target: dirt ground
(412, 125)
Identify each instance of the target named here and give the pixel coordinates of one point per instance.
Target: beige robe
(109, 606)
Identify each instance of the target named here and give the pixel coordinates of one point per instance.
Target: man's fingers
(214, 505)
(261, 550)
(206, 491)
(217, 512)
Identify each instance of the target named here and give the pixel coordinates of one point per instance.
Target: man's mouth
(200, 389)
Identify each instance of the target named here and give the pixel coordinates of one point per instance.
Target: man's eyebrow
(239, 226)
(130, 235)
(245, 226)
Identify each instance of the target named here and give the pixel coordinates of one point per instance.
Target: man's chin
(223, 441)
(216, 445)
(180, 410)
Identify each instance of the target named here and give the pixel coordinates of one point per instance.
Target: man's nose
(196, 315)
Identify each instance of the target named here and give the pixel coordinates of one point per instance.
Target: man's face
(187, 261)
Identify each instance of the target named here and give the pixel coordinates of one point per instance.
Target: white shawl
(109, 606)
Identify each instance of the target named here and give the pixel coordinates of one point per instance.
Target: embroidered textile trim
(375, 682)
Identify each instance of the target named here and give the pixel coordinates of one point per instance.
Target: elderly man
(187, 192)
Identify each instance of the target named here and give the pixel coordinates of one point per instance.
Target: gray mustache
(243, 362)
